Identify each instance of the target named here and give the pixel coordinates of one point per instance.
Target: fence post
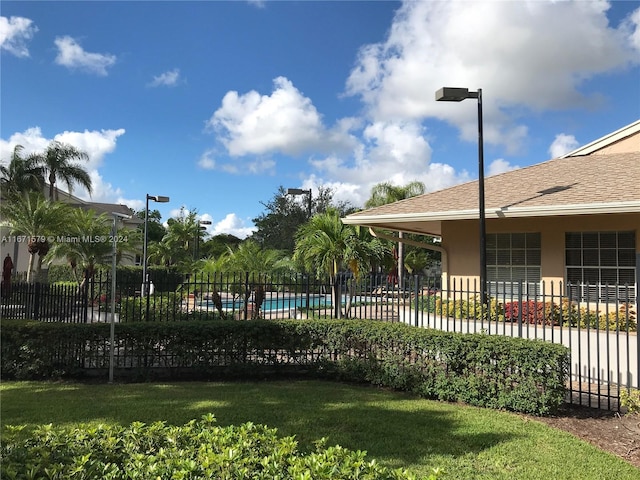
(246, 296)
(84, 291)
(416, 291)
(520, 308)
(35, 313)
(307, 278)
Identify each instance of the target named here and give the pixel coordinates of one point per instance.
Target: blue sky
(217, 104)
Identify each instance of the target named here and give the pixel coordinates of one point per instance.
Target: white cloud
(105, 192)
(232, 225)
(95, 143)
(31, 139)
(500, 165)
(395, 152)
(177, 212)
(530, 54)
(285, 121)
(15, 32)
(261, 166)
(207, 162)
(166, 79)
(258, 3)
(631, 29)
(72, 55)
(562, 144)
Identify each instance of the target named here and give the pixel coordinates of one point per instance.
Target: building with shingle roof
(570, 219)
(17, 248)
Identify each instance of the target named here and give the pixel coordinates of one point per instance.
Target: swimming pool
(274, 303)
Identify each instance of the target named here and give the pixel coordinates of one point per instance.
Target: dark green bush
(37, 350)
(163, 306)
(484, 370)
(196, 450)
(165, 279)
(61, 273)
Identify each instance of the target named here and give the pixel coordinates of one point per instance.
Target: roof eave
(564, 210)
(504, 212)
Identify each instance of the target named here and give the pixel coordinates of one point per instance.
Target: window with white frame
(601, 266)
(513, 258)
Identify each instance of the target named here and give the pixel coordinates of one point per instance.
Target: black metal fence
(601, 332)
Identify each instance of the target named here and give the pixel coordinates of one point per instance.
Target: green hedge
(163, 306)
(490, 371)
(196, 450)
(164, 278)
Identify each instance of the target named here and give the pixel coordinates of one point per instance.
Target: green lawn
(399, 430)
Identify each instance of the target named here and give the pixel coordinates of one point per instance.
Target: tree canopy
(22, 175)
(58, 162)
(38, 219)
(276, 227)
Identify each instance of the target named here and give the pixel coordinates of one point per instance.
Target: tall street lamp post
(145, 276)
(448, 94)
(112, 335)
(145, 279)
(201, 226)
(300, 191)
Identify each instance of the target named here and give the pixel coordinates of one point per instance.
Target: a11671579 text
(64, 238)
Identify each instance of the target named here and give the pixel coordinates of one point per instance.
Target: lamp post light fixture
(448, 94)
(145, 279)
(114, 253)
(300, 191)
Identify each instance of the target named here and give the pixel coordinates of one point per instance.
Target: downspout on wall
(427, 246)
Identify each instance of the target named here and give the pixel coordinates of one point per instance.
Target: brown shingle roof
(568, 184)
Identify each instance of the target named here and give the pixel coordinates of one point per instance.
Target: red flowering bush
(540, 313)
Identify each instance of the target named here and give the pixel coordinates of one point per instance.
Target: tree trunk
(30, 267)
(335, 294)
(52, 181)
(351, 293)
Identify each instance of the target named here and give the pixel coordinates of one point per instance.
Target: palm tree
(22, 175)
(183, 233)
(161, 253)
(87, 243)
(384, 193)
(37, 219)
(250, 257)
(57, 163)
(328, 246)
(213, 264)
(259, 264)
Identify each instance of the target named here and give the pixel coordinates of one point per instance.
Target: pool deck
(380, 311)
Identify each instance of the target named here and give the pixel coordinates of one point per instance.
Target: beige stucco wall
(627, 144)
(461, 240)
(20, 253)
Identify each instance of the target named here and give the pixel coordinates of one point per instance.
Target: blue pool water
(275, 303)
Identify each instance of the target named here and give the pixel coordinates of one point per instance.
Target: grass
(397, 429)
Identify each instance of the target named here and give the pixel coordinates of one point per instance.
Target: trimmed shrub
(163, 306)
(540, 313)
(630, 399)
(196, 450)
(61, 273)
(467, 308)
(492, 371)
(533, 312)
